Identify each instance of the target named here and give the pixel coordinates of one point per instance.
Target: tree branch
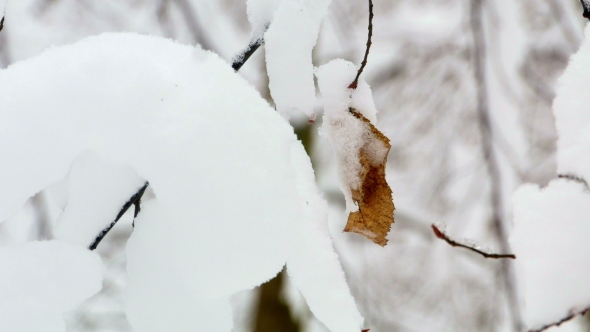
(354, 83)
(574, 178)
(135, 200)
(240, 59)
(2, 23)
(441, 235)
(563, 320)
(586, 6)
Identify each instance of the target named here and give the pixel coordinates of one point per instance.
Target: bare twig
(240, 59)
(2, 23)
(574, 178)
(354, 83)
(571, 316)
(441, 235)
(135, 200)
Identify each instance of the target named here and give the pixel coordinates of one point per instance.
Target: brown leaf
(375, 215)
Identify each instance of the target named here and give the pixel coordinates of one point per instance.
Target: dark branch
(354, 83)
(586, 6)
(574, 178)
(441, 235)
(135, 200)
(2, 23)
(240, 59)
(571, 316)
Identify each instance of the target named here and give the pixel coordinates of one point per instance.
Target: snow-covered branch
(443, 236)
(240, 59)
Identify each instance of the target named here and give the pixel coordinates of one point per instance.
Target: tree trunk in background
(272, 314)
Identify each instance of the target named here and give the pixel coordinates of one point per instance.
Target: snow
(224, 167)
(314, 268)
(571, 117)
(40, 281)
(550, 238)
(260, 15)
(550, 241)
(346, 133)
(85, 216)
(289, 42)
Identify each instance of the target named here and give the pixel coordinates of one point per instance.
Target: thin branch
(441, 235)
(135, 200)
(2, 23)
(571, 316)
(240, 59)
(354, 83)
(574, 178)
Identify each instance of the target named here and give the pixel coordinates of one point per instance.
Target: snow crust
(346, 133)
(550, 238)
(95, 193)
(41, 281)
(231, 181)
(289, 42)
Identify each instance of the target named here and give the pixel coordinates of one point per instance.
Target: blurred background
(464, 91)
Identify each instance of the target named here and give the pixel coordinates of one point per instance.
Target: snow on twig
(135, 200)
(354, 83)
(569, 317)
(443, 236)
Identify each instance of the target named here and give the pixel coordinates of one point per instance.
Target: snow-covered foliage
(344, 131)
(291, 36)
(551, 231)
(235, 197)
(41, 281)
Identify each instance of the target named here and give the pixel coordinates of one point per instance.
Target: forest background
(422, 70)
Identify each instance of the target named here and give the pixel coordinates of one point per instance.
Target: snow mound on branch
(41, 281)
(550, 238)
(220, 161)
(551, 244)
(289, 42)
(346, 133)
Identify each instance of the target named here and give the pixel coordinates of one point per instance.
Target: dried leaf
(374, 197)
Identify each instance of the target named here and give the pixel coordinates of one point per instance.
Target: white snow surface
(289, 42)
(572, 118)
(230, 179)
(260, 14)
(346, 133)
(41, 281)
(550, 238)
(551, 244)
(96, 193)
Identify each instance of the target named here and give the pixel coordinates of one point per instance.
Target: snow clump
(41, 281)
(551, 231)
(347, 134)
(235, 198)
